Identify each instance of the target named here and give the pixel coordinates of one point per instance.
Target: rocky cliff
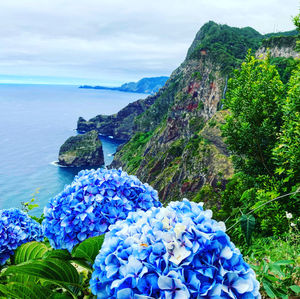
(178, 147)
(120, 125)
(82, 150)
(279, 46)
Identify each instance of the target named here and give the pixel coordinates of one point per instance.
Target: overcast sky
(115, 41)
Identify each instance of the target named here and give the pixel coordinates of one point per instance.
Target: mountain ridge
(145, 85)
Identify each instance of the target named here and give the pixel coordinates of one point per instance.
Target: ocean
(35, 120)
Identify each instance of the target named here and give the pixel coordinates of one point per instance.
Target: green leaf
(247, 225)
(88, 249)
(295, 289)
(18, 290)
(56, 271)
(276, 270)
(30, 251)
(60, 296)
(269, 289)
(284, 262)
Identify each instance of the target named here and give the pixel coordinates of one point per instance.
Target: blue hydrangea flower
(16, 228)
(91, 203)
(174, 252)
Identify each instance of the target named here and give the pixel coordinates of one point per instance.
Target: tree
(254, 99)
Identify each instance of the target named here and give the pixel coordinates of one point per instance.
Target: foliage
(176, 148)
(197, 75)
(132, 151)
(276, 263)
(285, 66)
(286, 154)
(38, 271)
(178, 251)
(16, 228)
(279, 41)
(196, 124)
(92, 202)
(225, 45)
(248, 225)
(254, 98)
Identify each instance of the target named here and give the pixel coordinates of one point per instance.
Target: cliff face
(82, 150)
(120, 125)
(178, 147)
(279, 46)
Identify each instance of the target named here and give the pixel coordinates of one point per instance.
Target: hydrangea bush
(16, 228)
(91, 203)
(174, 252)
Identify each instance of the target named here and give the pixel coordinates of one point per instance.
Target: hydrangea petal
(91, 203)
(174, 252)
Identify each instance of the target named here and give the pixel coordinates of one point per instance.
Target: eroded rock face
(277, 52)
(82, 150)
(120, 125)
(186, 150)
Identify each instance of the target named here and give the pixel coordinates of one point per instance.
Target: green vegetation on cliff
(226, 45)
(82, 150)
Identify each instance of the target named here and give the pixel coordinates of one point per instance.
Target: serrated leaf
(54, 270)
(30, 251)
(247, 225)
(88, 249)
(295, 289)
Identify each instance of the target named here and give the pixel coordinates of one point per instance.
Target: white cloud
(118, 40)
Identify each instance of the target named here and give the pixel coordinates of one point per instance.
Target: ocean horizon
(35, 120)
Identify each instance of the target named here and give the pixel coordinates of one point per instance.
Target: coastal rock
(82, 150)
(121, 125)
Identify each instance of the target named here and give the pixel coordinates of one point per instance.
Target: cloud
(117, 41)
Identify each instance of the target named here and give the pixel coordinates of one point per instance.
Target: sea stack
(82, 150)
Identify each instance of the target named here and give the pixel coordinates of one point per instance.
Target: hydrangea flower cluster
(174, 252)
(16, 228)
(91, 203)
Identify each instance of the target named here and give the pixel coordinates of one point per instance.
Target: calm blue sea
(35, 120)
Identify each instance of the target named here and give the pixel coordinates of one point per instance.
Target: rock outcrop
(278, 46)
(82, 150)
(120, 125)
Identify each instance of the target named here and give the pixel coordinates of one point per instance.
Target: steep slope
(118, 125)
(82, 150)
(178, 146)
(145, 85)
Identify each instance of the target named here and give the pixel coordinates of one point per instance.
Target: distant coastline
(145, 85)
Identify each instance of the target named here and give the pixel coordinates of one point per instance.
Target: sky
(109, 42)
